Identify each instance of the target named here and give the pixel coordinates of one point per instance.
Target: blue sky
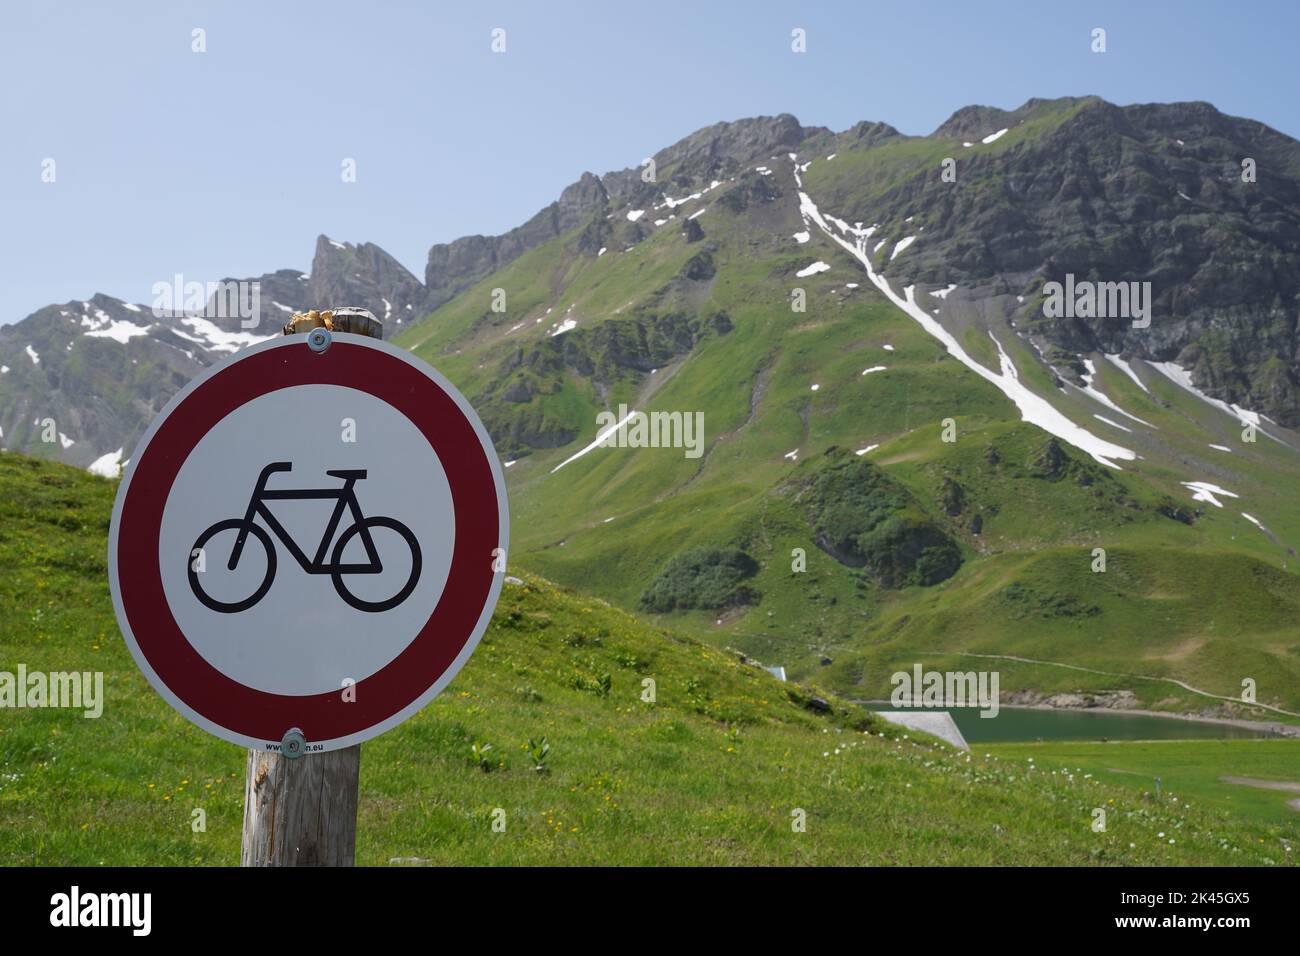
(228, 162)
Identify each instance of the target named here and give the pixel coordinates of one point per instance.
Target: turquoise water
(1013, 725)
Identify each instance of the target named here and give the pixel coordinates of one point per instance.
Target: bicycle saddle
(353, 475)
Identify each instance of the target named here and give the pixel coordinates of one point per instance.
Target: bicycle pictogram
(361, 527)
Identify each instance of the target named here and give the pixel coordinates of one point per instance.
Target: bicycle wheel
(233, 607)
(336, 558)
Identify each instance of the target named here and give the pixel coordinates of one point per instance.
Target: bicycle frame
(347, 498)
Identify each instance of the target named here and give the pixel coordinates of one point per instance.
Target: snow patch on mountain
(1204, 491)
(674, 203)
(110, 465)
(1127, 369)
(1103, 418)
(596, 443)
(902, 244)
(1097, 395)
(1257, 523)
(1183, 378)
(813, 269)
(1033, 408)
(122, 332)
(217, 339)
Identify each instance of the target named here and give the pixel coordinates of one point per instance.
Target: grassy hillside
(710, 772)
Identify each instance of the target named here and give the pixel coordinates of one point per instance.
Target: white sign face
(317, 631)
(309, 541)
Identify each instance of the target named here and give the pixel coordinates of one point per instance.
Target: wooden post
(303, 811)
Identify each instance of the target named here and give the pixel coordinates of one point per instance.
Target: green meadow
(1190, 771)
(594, 737)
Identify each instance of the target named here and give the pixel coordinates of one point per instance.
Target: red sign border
(256, 718)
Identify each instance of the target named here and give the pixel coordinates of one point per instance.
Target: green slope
(711, 772)
(1192, 592)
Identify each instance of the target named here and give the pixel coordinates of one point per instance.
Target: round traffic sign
(309, 540)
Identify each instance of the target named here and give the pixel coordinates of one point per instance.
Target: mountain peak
(738, 141)
(324, 243)
(584, 195)
(975, 122)
(365, 275)
(866, 133)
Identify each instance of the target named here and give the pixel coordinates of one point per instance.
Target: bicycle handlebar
(272, 468)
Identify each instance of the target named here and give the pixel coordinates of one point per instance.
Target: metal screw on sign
(318, 340)
(293, 745)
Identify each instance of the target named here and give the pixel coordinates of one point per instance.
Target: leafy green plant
(733, 738)
(538, 752)
(579, 639)
(479, 751)
(600, 684)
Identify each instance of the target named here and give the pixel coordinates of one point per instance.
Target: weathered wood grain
(301, 812)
